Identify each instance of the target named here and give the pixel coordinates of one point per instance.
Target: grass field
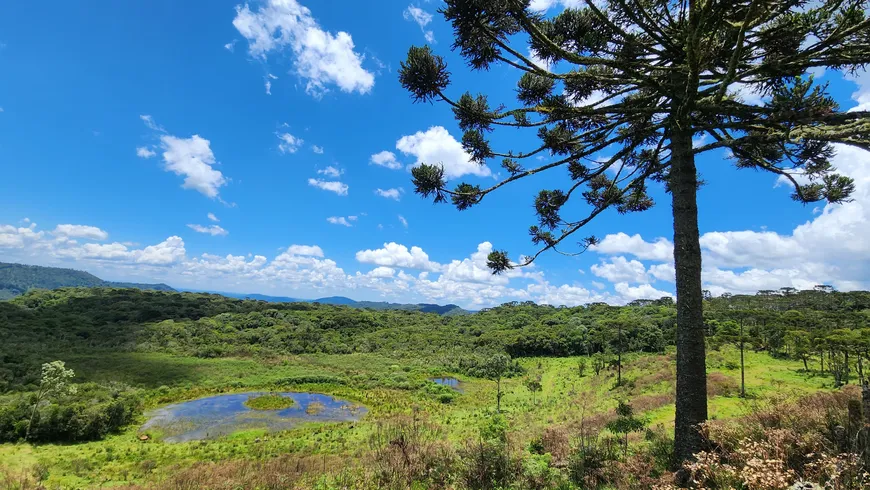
(388, 388)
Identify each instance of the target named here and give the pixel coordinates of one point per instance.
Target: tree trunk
(742, 365)
(619, 359)
(691, 396)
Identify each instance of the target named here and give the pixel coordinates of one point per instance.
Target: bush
(93, 412)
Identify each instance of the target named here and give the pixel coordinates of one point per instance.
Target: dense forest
(822, 326)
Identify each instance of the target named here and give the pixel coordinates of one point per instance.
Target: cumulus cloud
(190, 158)
(317, 149)
(213, 230)
(390, 193)
(288, 143)
(80, 231)
(331, 186)
(619, 269)
(386, 159)
(212, 217)
(620, 243)
(422, 18)
(320, 58)
(643, 291)
(382, 272)
(437, 146)
(397, 255)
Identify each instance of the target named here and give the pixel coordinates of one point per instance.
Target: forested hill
(17, 279)
(446, 310)
(41, 325)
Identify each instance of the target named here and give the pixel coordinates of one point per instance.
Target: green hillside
(17, 279)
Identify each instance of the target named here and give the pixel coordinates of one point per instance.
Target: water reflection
(216, 416)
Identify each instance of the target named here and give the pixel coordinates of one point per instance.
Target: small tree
(581, 366)
(53, 383)
(625, 424)
(598, 362)
(533, 383)
(495, 368)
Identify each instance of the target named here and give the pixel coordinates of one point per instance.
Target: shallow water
(447, 381)
(216, 416)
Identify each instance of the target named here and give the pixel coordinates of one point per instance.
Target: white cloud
(212, 217)
(620, 243)
(143, 152)
(386, 159)
(397, 255)
(341, 220)
(403, 221)
(317, 149)
(437, 146)
(544, 5)
(150, 124)
(192, 158)
(80, 231)
(663, 272)
(746, 93)
(19, 237)
(390, 193)
(331, 172)
(320, 57)
(289, 143)
(644, 291)
(166, 252)
(213, 230)
(231, 46)
(382, 272)
(422, 18)
(331, 186)
(862, 95)
(305, 250)
(619, 269)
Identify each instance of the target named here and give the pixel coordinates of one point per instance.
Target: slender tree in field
(637, 80)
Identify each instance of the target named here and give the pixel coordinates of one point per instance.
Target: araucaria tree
(637, 80)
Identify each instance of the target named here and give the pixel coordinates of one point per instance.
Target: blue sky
(264, 147)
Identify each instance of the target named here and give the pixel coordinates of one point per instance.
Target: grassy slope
(565, 398)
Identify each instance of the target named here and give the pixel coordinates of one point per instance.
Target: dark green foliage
(93, 412)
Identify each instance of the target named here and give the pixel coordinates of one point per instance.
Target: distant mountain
(423, 307)
(259, 297)
(335, 300)
(16, 279)
(344, 301)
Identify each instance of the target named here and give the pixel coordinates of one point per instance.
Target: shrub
(91, 413)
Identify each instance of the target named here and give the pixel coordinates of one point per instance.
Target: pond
(447, 381)
(216, 416)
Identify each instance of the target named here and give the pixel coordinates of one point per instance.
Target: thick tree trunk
(691, 403)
